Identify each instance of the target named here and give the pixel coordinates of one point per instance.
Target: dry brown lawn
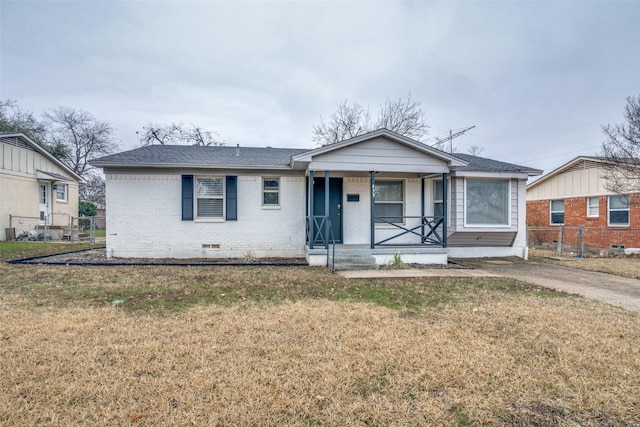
(626, 266)
(304, 347)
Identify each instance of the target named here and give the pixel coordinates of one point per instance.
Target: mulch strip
(98, 257)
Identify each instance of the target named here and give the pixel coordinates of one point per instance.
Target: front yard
(299, 346)
(621, 265)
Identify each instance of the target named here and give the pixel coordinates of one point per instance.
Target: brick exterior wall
(597, 233)
(145, 220)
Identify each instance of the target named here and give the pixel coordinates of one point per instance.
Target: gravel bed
(99, 257)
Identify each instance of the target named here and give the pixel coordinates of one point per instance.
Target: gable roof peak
(40, 149)
(382, 132)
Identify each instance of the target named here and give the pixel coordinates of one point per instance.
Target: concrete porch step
(354, 262)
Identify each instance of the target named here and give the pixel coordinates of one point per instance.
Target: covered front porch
(371, 218)
(378, 194)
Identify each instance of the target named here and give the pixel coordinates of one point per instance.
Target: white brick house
(384, 195)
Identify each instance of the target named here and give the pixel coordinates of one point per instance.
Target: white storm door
(45, 202)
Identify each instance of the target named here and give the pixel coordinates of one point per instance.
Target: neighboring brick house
(374, 195)
(574, 195)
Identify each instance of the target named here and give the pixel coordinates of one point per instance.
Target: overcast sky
(538, 79)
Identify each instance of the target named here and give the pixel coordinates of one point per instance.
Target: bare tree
(76, 136)
(621, 150)
(93, 189)
(15, 120)
(346, 122)
(177, 133)
(404, 116)
(200, 136)
(475, 150)
(154, 133)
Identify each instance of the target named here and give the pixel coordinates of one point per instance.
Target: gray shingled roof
(482, 164)
(251, 157)
(212, 156)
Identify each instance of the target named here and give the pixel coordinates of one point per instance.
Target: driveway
(615, 290)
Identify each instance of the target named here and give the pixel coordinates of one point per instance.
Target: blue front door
(335, 206)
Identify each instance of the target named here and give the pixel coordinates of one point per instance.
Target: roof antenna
(237, 150)
(440, 144)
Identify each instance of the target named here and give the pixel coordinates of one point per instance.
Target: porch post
(422, 209)
(326, 209)
(445, 209)
(311, 210)
(373, 210)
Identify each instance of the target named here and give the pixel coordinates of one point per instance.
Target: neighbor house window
(487, 202)
(438, 198)
(270, 191)
(593, 206)
(210, 198)
(618, 210)
(61, 192)
(557, 212)
(389, 201)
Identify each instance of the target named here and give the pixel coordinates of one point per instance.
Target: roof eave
(491, 174)
(183, 166)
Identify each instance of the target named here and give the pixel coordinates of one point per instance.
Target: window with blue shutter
(187, 197)
(209, 200)
(232, 198)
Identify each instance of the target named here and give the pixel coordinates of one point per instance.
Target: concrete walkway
(416, 272)
(614, 290)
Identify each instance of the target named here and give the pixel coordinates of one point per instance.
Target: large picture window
(389, 201)
(618, 210)
(487, 202)
(210, 197)
(557, 212)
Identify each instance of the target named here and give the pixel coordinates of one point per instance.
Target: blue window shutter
(232, 198)
(187, 197)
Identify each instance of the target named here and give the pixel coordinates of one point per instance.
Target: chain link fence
(582, 241)
(55, 227)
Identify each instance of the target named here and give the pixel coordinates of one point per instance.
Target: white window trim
(66, 192)
(42, 194)
(434, 200)
(508, 224)
(597, 215)
(429, 207)
(383, 225)
(564, 212)
(262, 191)
(628, 209)
(197, 218)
